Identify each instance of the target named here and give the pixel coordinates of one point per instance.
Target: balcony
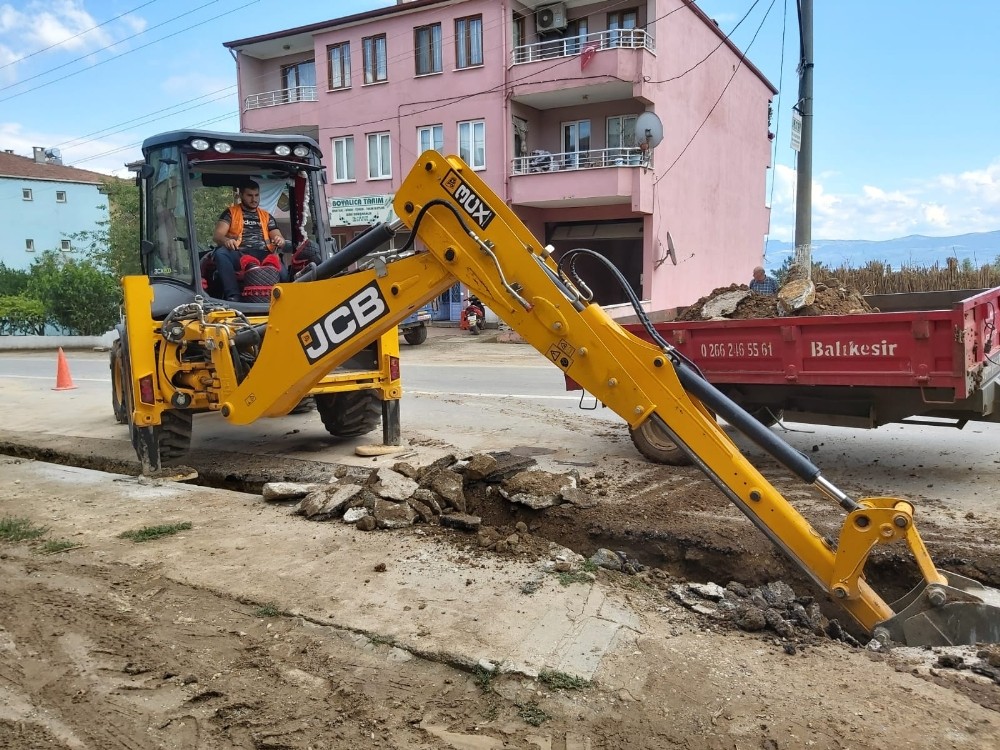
(279, 97)
(613, 66)
(555, 48)
(614, 176)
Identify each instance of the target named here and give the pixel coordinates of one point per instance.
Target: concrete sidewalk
(433, 599)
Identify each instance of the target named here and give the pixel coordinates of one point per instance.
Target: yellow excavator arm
(463, 231)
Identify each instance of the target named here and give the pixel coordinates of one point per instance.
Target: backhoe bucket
(962, 613)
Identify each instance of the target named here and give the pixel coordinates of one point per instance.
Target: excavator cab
(159, 382)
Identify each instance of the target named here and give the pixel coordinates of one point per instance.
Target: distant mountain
(982, 248)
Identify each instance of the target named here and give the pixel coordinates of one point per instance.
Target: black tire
(118, 383)
(351, 413)
(415, 336)
(304, 406)
(476, 329)
(766, 415)
(655, 445)
(175, 435)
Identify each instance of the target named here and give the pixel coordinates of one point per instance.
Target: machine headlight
(282, 150)
(301, 151)
(199, 144)
(222, 147)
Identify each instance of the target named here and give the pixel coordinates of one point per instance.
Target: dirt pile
(832, 298)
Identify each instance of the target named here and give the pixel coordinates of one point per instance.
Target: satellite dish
(54, 153)
(671, 253)
(648, 130)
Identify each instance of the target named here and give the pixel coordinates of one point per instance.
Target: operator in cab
(245, 229)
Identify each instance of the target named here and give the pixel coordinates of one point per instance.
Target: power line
(76, 36)
(722, 94)
(107, 47)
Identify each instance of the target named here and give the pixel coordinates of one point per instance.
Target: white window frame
(27, 195)
(343, 156)
(381, 169)
(60, 196)
(66, 246)
(571, 131)
(29, 246)
(471, 126)
(430, 137)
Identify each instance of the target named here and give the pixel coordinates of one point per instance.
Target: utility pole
(803, 192)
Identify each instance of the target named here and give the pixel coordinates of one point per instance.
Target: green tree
(114, 245)
(21, 315)
(13, 281)
(77, 294)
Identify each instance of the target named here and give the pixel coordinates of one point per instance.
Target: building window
(60, 196)
(468, 41)
(520, 34)
(472, 143)
(374, 51)
(339, 241)
(343, 159)
(619, 21)
(379, 158)
(338, 60)
(299, 81)
(621, 134)
(29, 246)
(430, 137)
(575, 142)
(26, 194)
(427, 43)
(65, 245)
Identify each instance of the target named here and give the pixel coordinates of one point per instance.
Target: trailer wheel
(415, 336)
(351, 413)
(118, 383)
(657, 446)
(766, 415)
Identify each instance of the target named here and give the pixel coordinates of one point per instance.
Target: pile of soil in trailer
(831, 299)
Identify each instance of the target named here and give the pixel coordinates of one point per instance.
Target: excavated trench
(712, 543)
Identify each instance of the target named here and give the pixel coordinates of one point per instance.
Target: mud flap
(962, 613)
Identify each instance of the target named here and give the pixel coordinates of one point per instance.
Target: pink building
(542, 98)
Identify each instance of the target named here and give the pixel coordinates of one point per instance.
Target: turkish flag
(587, 55)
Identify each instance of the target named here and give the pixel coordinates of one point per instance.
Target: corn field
(878, 277)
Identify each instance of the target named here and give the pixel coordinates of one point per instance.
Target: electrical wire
(76, 36)
(736, 70)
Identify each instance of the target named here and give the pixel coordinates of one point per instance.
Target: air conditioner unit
(550, 18)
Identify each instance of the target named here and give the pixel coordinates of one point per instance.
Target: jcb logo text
(343, 322)
(474, 206)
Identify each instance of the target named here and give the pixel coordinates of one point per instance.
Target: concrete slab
(433, 599)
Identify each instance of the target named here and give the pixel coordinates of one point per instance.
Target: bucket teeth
(964, 612)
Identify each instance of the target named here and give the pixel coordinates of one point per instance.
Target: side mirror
(146, 171)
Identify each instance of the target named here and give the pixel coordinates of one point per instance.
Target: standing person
(245, 229)
(761, 283)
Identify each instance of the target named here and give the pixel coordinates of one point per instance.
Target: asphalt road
(466, 393)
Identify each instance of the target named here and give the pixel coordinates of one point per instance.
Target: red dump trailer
(925, 357)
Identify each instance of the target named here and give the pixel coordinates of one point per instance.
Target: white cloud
(939, 205)
(106, 155)
(63, 22)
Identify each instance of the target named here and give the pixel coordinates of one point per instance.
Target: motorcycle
(473, 316)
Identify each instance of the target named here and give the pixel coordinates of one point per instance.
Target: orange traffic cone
(64, 381)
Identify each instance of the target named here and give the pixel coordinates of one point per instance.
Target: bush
(76, 294)
(22, 316)
(13, 281)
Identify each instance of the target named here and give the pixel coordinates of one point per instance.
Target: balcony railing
(575, 45)
(600, 158)
(281, 96)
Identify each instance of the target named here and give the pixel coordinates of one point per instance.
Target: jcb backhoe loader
(160, 376)
(462, 231)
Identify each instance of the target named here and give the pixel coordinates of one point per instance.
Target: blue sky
(906, 105)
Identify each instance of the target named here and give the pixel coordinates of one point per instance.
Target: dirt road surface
(259, 629)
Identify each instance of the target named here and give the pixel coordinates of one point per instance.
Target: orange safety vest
(236, 223)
